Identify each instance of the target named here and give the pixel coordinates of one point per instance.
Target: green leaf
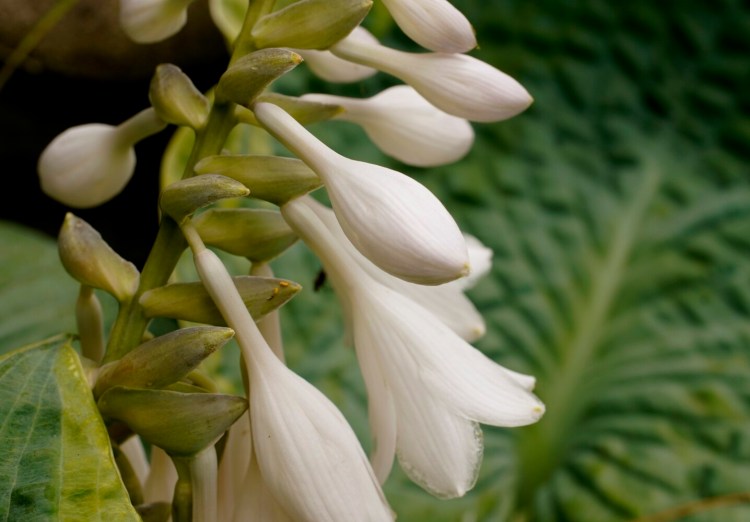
(37, 296)
(56, 462)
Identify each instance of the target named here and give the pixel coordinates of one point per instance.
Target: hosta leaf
(56, 462)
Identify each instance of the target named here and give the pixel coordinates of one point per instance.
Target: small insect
(320, 280)
(284, 284)
(274, 294)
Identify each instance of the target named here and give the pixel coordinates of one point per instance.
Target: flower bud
(393, 220)
(433, 24)
(88, 165)
(331, 68)
(270, 178)
(184, 197)
(175, 99)
(191, 302)
(149, 21)
(163, 360)
(310, 24)
(251, 74)
(458, 84)
(406, 126)
(179, 423)
(259, 235)
(92, 262)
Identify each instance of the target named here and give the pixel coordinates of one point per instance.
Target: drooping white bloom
(238, 449)
(162, 477)
(149, 21)
(307, 453)
(90, 164)
(392, 219)
(434, 24)
(406, 126)
(428, 389)
(458, 84)
(331, 68)
(447, 301)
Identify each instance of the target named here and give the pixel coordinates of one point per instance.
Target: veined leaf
(56, 462)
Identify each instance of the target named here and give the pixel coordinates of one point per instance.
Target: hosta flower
(446, 301)
(428, 389)
(406, 126)
(308, 455)
(90, 164)
(149, 21)
(433, 24)
(458, 84)
(393, 220)
(331, 68)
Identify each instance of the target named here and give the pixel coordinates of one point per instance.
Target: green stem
(130, 324)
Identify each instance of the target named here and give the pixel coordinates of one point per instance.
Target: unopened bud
(191, 301)
(149, 21)
(259, 235)
(270, 178)
(175, 99)
(92, 262)
(310, 24)
(250, 75)
(163, 360)
(179, 423)
(184, 197)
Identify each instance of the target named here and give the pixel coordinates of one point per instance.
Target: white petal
(406, 126)
(162, 478)
(466, 380)
(455, 83)
(331, 68)
(439, 449)
(257, 503)
(446, 301)
(233, 466)
(480, 259)
(86, 165)
(133, 450)
(308, 454)
(393, 220)
(433, 24)
(149, 21)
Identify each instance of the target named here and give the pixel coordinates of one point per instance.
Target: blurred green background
(618, 209)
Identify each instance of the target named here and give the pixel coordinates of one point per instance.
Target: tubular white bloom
(235, 460)
(257, 502)
(149, 21)
(162, 478)
(446, 301)
(456, 83)
(88, 165)
(481, 262)
(307, 453)
(393, 220)
(331, 68)
(406, 126)
(428, 388)
(433, 24)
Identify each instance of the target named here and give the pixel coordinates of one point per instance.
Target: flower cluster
(396, 258)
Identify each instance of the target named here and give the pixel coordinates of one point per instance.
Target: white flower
(393, 220)
(456, 83)
(428, 388)
(433, 24)
(406, 126)
(307, 453)
(90, 164)
(162, 477)
(331, 68)
(149, 21)
(446, 301)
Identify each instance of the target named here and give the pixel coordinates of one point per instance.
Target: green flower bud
(191, 301)
(270, 178)
(310, 24)
(92, 262)
(154, 511)
(180, 423)
(304, 111)
(248, 77)
(259, 235)
(163, 360)
(184, 197)
(175, 99)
